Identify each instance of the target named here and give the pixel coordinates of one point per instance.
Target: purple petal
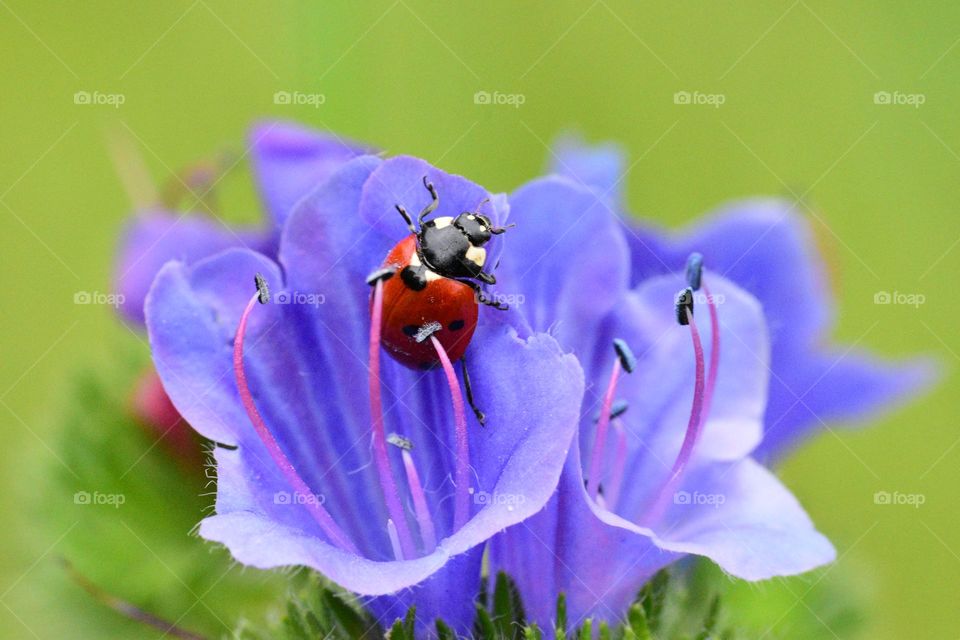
(593, 556)
(741, 517)
(155, 237)
(596, 166)
(567, 259)
(812, 390)
(767, 248)
(290, 160)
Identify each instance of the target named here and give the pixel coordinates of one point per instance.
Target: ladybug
(432, 287)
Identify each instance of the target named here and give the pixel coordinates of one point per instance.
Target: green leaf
(444, 632)
(397, 631)
(637, 618)
(532, 632)
(560, 629)
(710, 622)
(138, 543)
(348, 620)
(485, 628)
(652, 596)
(586, 630)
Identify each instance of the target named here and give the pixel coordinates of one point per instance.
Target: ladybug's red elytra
(432, 287)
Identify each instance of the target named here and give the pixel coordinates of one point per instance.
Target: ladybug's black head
(477, 227)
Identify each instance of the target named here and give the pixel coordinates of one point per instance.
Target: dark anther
(262, 289)
(381, 274)
(618, 409)
(399, 441)
(427, 330)
(694, 270)
(683, 304)
(627, 359)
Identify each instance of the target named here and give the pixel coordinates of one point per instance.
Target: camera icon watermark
(85, 498)
(697, 498)
(698, 98)
(899, 98)
(515, 100)
(299, 98)
(114, 300)
(884, 498)
(98, 98)
(897, 298)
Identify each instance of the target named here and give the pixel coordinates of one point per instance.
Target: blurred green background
(798, 79)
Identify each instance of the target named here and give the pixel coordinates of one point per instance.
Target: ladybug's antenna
(406, 218)
(430, 208)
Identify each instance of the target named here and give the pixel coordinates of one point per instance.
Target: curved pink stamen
(691, 436)
(600, 440)
(612, 488)
(461, 509)
(714, 352)
(319, 513)
(427, 531)
(387, 483)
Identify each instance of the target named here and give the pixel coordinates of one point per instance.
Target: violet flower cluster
(624, 424)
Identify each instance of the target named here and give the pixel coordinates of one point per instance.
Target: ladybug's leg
(481, 418)
(430, 208)
(482, 297)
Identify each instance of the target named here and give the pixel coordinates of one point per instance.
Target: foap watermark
(286, 497)
(896, 297)
(509, 500)
(97, 498)
(310, 299)
(697, 498)
(99, 98)
(914, 500)
(495, 297)
(114, 300)
(498, 98)
(299, 98)
(701, 298)
(699, 98)
(899, 98)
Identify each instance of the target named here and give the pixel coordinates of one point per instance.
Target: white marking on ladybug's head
(441, 222)
(477, 255)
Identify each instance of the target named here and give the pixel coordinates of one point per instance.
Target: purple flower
(300, 396)
(665, 461)
(288, 162)
(766, 247)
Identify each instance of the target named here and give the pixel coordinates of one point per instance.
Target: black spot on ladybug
(414, 277)
(411, 330)
(456, 325)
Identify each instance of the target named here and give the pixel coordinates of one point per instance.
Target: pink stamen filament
(319, 513)
(600, 439)
(387, 483)
(427, 532)
(461, 509)
(612, 489)
(714, 364)
(691, 436)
